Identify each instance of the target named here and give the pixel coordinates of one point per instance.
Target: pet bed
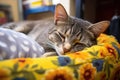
(99, 62)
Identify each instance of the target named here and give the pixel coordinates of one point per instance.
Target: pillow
(99, 62)
(15, 45)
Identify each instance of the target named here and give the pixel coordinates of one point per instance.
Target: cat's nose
(66, 50)
(67, 47)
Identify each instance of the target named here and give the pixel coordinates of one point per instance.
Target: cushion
(99, 62)
(15, 45)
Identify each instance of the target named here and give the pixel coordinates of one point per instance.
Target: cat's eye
(54, 37)
(75, 42)
(79, 46)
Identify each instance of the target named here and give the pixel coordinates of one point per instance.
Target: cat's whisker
(58, 53)
(52, 45)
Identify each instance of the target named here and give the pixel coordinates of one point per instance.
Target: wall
(16, 13)
(90, 10)
(14, 8)
(69, 6)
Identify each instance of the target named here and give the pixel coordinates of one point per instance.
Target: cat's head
(73, 34)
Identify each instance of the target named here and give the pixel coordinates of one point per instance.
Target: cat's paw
(9, 25)
(49, 54)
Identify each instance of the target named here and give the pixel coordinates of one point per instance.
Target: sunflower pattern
(59, 74)
(87, 72)
(99, 62)
(116, 73)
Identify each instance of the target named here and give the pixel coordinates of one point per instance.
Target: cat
(62, 33)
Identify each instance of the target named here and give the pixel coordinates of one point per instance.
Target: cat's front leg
(23, 28)
(49, 54)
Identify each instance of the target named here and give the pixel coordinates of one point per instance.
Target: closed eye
(80, 44)
(76, 38)
(57, 37)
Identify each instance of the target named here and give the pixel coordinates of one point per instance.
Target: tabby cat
(63, 33)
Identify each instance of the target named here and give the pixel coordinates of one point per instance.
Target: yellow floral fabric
(99, 62)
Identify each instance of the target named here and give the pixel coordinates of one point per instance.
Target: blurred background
(91, 10)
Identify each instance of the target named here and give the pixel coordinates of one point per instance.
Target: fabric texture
(16, 45)
(99, 62)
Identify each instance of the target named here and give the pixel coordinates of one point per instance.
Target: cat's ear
(99, 27)
(60, 14)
